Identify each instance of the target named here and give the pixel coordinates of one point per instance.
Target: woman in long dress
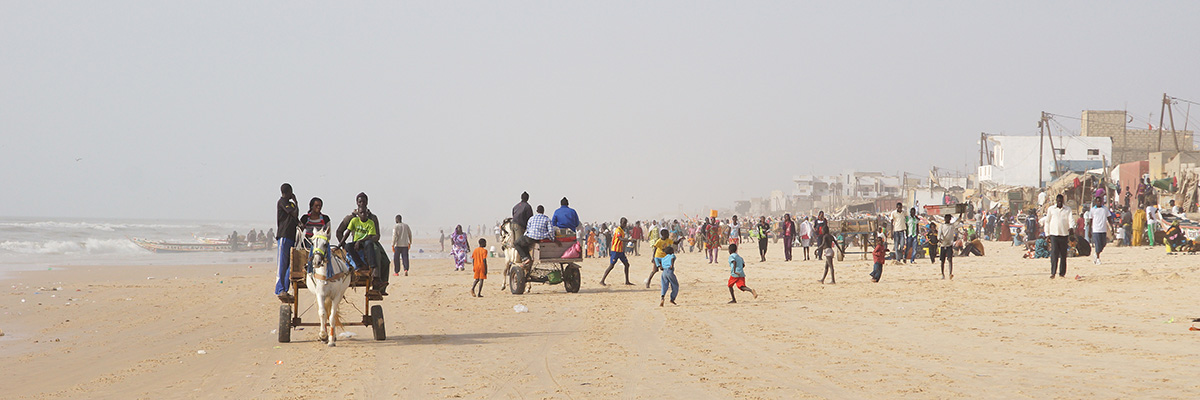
(458, 248)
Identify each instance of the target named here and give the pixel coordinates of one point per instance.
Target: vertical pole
(1161, 110)
(1041, 147)
(1171, 114)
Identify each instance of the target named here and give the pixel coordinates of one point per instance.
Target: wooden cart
(549, 266)
(289, 314)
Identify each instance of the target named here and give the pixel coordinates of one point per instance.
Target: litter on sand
(201, 352)
(520, 308)
(346, 335)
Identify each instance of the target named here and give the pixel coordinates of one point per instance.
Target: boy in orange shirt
(480, 258)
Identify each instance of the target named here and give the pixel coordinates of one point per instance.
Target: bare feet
(875, 280)
(822, 281)
(732, 302)
(951, 276)
(628, 283)
(754, 293)
(603, 284)
(473, 293)
(673, 302)
(831, 282)
(660, 302)
(480, 294)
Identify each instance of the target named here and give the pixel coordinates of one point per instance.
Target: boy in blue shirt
(737, 277)
(667, 263)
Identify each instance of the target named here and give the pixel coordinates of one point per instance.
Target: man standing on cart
(520, 215)
(287, 217)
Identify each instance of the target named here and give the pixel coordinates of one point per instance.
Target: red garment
(879, 253)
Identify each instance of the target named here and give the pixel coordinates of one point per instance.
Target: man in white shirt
(1176, 210)
(1101, 223)
(1153, 220)
(401, 241)
(1058, 223)
(899, 229)
(947, 232)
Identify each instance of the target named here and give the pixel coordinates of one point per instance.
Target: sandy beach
(1000, 329)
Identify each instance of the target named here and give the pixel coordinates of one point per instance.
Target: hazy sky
(445, 111)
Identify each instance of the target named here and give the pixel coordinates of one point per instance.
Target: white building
(1015, 158)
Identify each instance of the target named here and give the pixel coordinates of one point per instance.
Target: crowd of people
(1059, 233)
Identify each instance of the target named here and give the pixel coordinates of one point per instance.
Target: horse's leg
(322, 313)
(328, 319)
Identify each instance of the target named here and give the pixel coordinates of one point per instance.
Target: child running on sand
(737, 276)
(480, 256)
(879, 255)
(660, 251)
(667, 263)
(827, 243)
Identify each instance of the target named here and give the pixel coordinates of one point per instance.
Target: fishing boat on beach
(208, 246)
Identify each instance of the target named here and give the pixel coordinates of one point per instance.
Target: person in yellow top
(617, 252)
(660, 251)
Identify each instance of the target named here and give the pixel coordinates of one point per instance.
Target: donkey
(328, 278)
(508, 245)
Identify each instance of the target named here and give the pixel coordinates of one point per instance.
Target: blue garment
(667, 263)
(736, 265)
(284, 280)
(669, 279)
(566, 218)
(538, 228)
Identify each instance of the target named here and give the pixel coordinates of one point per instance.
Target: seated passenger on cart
(363, 247)
(565, 217)
(314, 220)
(537, 228)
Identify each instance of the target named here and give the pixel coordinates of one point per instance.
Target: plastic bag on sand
(520, 308)
(346, 335)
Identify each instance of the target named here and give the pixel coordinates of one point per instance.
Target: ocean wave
(88, 246)
(99, 226)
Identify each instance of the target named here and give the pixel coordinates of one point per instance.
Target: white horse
(508, 245)
(327, 280)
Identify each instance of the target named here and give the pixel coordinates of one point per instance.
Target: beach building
(1015, 160)
(1133, 144)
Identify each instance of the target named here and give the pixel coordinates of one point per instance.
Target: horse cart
(551, 264)
(290, 313)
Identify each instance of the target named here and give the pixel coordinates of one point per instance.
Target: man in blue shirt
(565, 217)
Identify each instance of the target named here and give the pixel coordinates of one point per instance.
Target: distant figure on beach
(947, 233)
(401, 242)
(761, 232)
(789, 235)
(806, 235)
(827, 252)
(458, 248)
(912, 224)
(821, 227)
(735, 231)
(479, 258)
(1101, 220)
(931, 239)
(899, 228)
(617, 252)
(442, 238)
(1058, 221)
(287, 216)
(712, 239)
(737, 274)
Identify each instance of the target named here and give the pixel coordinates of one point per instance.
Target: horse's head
(506, 231)
(320, 242)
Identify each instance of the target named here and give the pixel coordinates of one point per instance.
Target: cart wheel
(377, 322)
(516, 280)
(285, 323)
(571, 278)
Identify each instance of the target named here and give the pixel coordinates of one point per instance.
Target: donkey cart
(289, 313)
(548, 266)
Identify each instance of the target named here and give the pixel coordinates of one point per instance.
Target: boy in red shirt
(879, 254)
(480, 258)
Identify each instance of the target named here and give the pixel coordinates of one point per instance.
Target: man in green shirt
(359, 235)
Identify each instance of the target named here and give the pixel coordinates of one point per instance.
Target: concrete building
(1015, 158)
(1131, 144)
